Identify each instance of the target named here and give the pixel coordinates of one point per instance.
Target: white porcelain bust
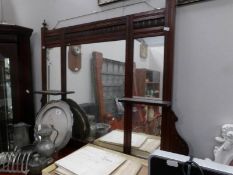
(223, 153)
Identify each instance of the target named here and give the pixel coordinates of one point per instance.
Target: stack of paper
(88, 161)
(150, 145)
(128, 168)
(117, 137)
(142, 144)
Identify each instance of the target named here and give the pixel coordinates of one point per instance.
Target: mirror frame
(160, 22)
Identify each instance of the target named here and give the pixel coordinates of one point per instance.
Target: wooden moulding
(187, 2)
(146, 24)
(98, 58)
(53, 92)
(146, 101)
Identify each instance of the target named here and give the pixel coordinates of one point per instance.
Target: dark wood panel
(25, 79)
(175, 143)
(43, 63)
(15, 30)
(63, 68)
(53, 92)
(141, 100)
(188, 2)
(149, 32)
(103, 24)
(169, 52)
(129, 65)
(8, 38)
(98, 62)
(95, 39)
(156, 13)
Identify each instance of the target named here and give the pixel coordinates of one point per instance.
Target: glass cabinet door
(6, 113)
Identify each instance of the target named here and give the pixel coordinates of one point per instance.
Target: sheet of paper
(62, 171)
(143, 171)
(128, 168)
(117, 137)
(150, 145)
(89, 160)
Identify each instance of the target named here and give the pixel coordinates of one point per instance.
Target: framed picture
(104, 2)
(186, 2)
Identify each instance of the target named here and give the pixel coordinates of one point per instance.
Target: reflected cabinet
(121, 72)
(16, 100)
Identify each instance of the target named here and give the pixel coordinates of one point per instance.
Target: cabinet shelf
(148, 101)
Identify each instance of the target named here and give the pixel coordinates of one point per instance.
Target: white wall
(73, 8)
(203, 82)
(203, 58)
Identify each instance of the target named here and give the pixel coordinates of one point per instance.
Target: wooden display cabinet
(148, 83)
(16, 99)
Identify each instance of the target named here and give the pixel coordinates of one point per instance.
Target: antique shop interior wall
(203, 83)
(203, 86)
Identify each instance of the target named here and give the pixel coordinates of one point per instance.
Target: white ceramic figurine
(224, 152)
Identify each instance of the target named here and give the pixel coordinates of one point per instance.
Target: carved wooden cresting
(185, 2)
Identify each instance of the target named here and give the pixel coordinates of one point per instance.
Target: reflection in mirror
(98, 82)
(54, 71)
(6, 112)
(149, 60)
(5, 91)
(146, 135)
(148, 83)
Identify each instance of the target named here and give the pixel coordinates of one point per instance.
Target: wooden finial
(44, 24)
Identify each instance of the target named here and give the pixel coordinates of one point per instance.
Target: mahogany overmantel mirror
(123, 77)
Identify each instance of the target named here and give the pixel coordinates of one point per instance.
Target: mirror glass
(149, 64)
(148, 83)
(6, 113)
(96, 73)
(54, 71)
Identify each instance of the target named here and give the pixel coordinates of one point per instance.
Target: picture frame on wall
(105, 2)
